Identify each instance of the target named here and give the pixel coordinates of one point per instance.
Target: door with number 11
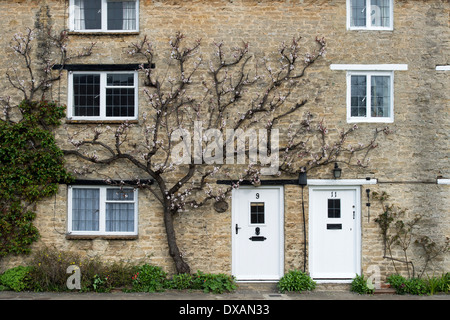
(334, 232)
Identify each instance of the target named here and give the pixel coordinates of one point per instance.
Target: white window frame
(104, 15)
(369, 25)
(102, 213)
(368, 117)
(443, 68)
(103, 87)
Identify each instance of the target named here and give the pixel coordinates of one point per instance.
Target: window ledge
(103, 33)
(371, 29)
(102, 237)
(70, 121)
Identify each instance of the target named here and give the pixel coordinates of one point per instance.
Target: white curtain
(85, 209)
(129, 15)
(79, 20)
(119, 216)
(380, 13)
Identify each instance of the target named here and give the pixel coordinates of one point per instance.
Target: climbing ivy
(31, 167)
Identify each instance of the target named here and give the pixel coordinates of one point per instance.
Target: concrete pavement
(244, 292)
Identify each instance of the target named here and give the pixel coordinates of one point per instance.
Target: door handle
(237, 228)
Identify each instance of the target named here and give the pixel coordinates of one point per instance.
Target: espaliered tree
(201, 120)
(198, 111)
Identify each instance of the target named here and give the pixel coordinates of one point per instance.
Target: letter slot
(334, 226)
(257, 238)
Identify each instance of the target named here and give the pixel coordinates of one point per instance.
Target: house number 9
(257, 196)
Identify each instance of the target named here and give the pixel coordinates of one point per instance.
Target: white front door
(257, 233)
(334, 233)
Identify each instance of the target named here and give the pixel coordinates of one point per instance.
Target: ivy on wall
(31, 166)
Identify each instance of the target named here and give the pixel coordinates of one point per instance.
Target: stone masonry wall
(406, 163)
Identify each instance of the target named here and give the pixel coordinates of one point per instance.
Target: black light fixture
(336, 171)
(302, 179)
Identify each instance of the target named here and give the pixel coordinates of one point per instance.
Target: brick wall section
(417, 152)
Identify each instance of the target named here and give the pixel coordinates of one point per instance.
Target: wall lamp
(302, 179)
(337, 171)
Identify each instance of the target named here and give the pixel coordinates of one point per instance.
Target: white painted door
(257, 233)
(334, 233)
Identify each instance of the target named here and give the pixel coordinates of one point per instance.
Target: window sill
(101, 237)
(370, 120)
(103, 33)
(70, 121)
(389, 29)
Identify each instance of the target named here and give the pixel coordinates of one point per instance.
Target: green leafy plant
(359, 285)
(433, 284)
(214, 283)
(99, 283)
(180, 281)
(149, 278)
(398, 283)
(296, 281)
(419, 286)
(444, 283)
(17, 278)
(31, 167)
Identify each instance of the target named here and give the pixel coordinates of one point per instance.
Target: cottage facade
(387, 66)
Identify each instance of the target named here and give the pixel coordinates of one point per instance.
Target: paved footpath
(197, 295)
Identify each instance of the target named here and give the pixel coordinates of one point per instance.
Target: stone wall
(406, 163)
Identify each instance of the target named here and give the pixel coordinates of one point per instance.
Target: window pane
(120, 217)
(88, 14)
(120, 79)
(117, 194)
(381, 96)
(358, 13)
(358, 96)
(334, 208)
(120, 102)
(85, 209)
(122, 15)
(86, 91)
(380, 13)
(257, 212)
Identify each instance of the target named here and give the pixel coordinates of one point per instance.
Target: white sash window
(102, 210)
(103, 95)
(104, 15)
(370, 14)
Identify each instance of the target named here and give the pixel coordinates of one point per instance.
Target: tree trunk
(180, 264)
